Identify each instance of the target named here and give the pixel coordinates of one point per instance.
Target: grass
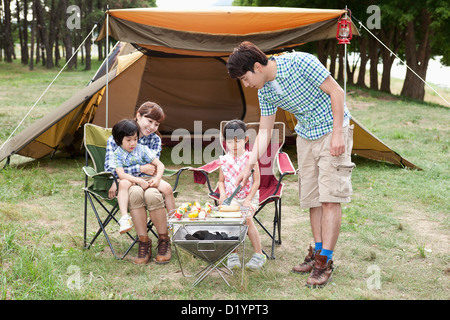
(394, 237)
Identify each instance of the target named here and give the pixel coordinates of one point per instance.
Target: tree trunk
(20, 30)
(33, 32)
(323, 50)
(48, 62)
(333, 55)
(363, 62)
(66, 37)
(100, 50)
(374, 56)
(25, 55)
(60, 9)
(390, 39)
(88, 42)
(52, 29)
(350, 72)
(417, 60)
(9, 44)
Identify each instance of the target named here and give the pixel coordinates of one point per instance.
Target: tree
(42, 30)
(22, 26)
(418, 33)
(8, 44)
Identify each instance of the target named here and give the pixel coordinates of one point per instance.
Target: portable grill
(212, 251)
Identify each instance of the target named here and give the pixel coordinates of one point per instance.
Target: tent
(177, 59)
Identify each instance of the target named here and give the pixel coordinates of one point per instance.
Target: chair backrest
(266, 162)
(95, 139)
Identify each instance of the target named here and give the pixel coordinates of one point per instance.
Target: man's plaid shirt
(299, 76)
(153, 141)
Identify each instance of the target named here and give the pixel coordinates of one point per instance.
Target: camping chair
(271, 187)
(98, 182)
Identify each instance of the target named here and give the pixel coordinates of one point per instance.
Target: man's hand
(243, 176)
(222, 198)
(337, 145)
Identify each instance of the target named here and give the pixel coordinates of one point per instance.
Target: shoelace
(163, 246)
(317, 272)
(143, 249)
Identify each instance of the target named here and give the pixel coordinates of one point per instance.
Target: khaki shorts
(151, 198)
(322, 177)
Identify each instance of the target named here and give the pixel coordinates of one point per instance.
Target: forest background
(415, 31)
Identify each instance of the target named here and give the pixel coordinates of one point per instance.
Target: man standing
(298, 83)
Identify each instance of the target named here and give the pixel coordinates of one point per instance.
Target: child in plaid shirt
(131, 153)
(231, 164)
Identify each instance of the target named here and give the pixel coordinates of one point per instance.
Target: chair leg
(279, 222)
(85, 219)
(102, 226)
(271, 235)
(275, 223)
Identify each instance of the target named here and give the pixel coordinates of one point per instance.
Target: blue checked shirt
(296, 90)
(152, 141)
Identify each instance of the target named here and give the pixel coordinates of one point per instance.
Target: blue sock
(328, 253)
(318, 246)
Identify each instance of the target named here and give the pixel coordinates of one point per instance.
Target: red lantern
(344, 29)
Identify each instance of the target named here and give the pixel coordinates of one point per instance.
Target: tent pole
(107, 63)
(345, 66)
(345, 72)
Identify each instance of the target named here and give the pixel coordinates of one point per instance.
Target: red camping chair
(271, 187)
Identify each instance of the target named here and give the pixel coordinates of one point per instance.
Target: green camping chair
(97, 184)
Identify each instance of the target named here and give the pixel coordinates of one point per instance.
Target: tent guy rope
(362, 25)
(48, 87)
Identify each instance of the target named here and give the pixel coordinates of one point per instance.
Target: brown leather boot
(321, 273)
(164, 251)
(307, 265)
(144, 250)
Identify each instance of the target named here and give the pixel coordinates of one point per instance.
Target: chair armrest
(201, 173)
(89, 171)
(171, 172)
(285, 165)
(102, 180)
(209, 167)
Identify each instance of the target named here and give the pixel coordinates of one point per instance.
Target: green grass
(393, 242)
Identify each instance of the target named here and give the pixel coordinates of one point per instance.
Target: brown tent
(181, 65)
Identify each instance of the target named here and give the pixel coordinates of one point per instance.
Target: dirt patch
(426, 231)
